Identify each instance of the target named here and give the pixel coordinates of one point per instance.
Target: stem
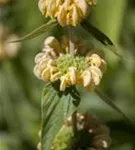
(74, 120)
(71, 43)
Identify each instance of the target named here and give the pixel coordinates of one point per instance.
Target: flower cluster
(67, 12)
(91, 135)
(7, 49)
(55, 63)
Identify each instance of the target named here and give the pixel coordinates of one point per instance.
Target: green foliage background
(20, 90)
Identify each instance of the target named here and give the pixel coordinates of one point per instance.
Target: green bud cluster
(67, 60)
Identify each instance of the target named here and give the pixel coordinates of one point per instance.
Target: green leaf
(56, 107)
(101, 37)
(109, 101)
(37, 32)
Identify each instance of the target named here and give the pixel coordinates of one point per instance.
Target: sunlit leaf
(56, 107)
(39, 31)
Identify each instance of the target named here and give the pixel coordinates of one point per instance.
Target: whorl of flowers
(7, 49)
(55, 63)
(67, 12)
(91, 135)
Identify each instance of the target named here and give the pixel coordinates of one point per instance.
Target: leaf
(37, 32)
(56, 107)
(100, 36)
(108, 100)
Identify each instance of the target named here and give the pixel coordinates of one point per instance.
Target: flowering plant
(63, 65)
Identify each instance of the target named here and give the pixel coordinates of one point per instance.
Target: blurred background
(20, 90)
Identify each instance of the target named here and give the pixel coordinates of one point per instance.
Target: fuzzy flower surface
(56, 63)
(67, 12)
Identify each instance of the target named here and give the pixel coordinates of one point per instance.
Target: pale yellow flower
(55, 63)
(67, 12)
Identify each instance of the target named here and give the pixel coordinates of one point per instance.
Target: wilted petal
(75, 16)
(42, 6)
(103, 66)
(96, 74)
(67, 4)
(38, 57)
(51, 8)
(83, 6)
(50, 53)
(63, 83)
(86, 76)
(62, 16)
(72, 71)
(52, 42)
(95, 60)
(37, 71)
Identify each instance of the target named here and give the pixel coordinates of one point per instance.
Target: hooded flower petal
(87, 78)
(62, 16)
(96, 74)
(63, 83)
(73, 77)
(67, 12)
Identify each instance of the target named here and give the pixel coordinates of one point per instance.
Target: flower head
(55, 63)
(67, 12)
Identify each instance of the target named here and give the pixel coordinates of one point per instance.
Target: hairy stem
(74, 120)
(71, 43)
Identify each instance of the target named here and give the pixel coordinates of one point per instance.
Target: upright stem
(72, 52)
(71, 43)
(74, 120)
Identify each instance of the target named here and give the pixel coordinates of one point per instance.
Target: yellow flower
(55, 63)
(67, 12)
